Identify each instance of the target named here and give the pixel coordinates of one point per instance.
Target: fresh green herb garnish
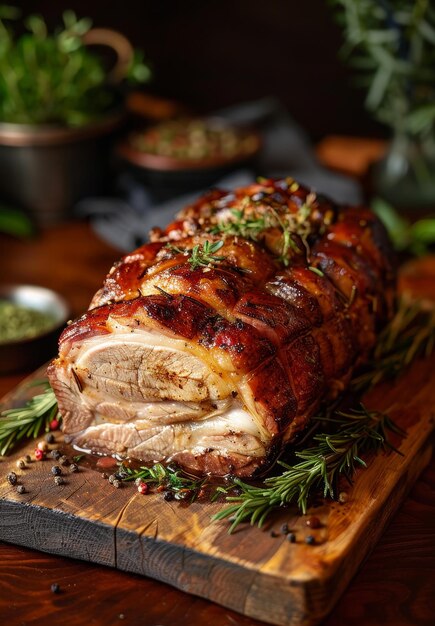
(335, 453)
(201, 255)
(28, 421)
(316, 270)
(172, 479)
(251, 224)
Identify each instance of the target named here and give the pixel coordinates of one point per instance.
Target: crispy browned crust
(293, 331)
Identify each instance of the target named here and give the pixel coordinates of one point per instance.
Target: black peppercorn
(12, 478)
(273, 533)
(59, 480)
(55, 588)
(73, 467)
(56, 470)
(112, 477)
(116, 483)
(285, 529)
(55, 454)
(21, 489)
(291, 537)
(309, 540)
(63, 460)
(104, 475)
(49, 438)
(168, 496)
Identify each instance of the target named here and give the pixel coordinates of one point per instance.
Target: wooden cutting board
(251, 571)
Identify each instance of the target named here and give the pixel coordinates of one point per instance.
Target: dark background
(212, 53)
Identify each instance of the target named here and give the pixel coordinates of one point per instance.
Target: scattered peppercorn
(21, 489)
(12, 478)
(55, 454)
(142, 488)
(59, 480)
(285, 529)
(21, 464)
(273, 533)
(56, 470)
(104, 475)
(39, 454)
(313, 522)
(291, 537)
(54, 424)
(28, 458)
(49, 438)
(310, 540)
(73, 468)
(55, 588)
(168, 496)
(42, 445)
(116, 483)
(63, 460)
(112, 477)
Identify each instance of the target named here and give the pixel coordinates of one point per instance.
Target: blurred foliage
(415, 238)
(392, 44)
(54, 78)
(15, 222)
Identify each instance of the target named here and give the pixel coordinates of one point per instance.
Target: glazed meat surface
(217, 360)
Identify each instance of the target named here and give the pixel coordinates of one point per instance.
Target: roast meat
(218, 361)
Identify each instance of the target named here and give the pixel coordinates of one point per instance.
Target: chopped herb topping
(201, 255)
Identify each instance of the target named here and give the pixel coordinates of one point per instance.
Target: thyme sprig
(28, 421)
(252, 224)
(335, 453)
(174, 480)
(201, 255)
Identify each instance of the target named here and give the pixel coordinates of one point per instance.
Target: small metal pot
(46, 169)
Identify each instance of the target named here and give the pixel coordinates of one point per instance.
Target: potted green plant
(59, 106)
(392, 45)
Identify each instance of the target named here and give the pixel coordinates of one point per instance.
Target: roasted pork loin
(218, 363)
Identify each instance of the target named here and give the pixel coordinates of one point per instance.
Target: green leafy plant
(392, 44)
(416, 238)
(53, 77)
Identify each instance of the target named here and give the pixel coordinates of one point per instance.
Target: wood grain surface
(394, 587)
(251, 571)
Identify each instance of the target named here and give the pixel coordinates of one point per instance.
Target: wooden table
(395, 587)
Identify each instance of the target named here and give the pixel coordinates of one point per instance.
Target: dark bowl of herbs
(31, 319)
(183, 155)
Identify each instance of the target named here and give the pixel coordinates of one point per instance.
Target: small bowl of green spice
(30, 322)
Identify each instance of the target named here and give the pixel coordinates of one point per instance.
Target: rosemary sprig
(334, 454)
(27, 421)
(174, 480)
(201, 255)
(409, 335)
